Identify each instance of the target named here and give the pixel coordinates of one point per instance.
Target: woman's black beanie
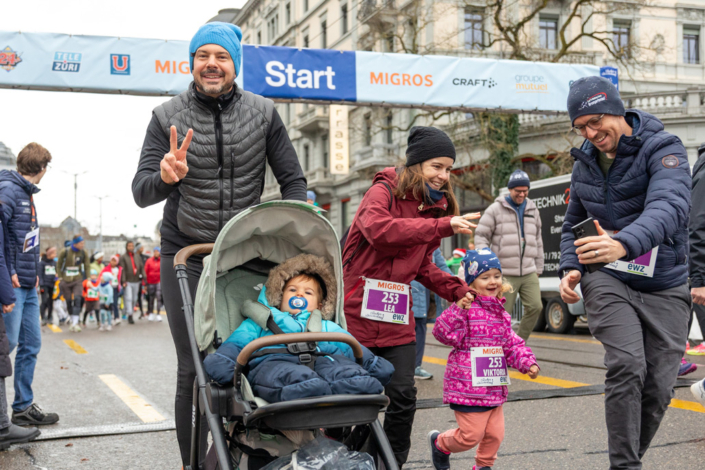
(426, 143)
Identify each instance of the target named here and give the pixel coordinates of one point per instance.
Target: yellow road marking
(54, 328)
(137, 404)
(572, 340)
(675, 403)
(75, 346)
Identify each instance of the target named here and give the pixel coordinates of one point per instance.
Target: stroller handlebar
(192, 250)
(288, 338)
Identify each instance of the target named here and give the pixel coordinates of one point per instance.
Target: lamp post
(75, 189)
(100, 232)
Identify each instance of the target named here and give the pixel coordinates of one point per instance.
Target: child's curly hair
(506, 287)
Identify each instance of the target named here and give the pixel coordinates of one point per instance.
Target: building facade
(662, 72)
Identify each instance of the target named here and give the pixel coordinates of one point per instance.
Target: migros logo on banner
(172, 66)
(401, 79)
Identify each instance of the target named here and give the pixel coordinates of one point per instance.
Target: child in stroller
(299, 296)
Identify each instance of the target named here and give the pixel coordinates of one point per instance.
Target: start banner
(61, 62)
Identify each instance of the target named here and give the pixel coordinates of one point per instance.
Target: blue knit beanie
(593, 95)
(479, 261)
(225, 35)
(518, 178)
(311, 195)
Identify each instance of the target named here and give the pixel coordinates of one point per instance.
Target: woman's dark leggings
(186, 371)
(47, 307)
(116, 303)
(401, 391)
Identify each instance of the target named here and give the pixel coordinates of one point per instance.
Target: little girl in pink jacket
(484, 331)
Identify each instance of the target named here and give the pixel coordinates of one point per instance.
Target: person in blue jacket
(17, 189)
(9, 433)
(633, 179)
(421, 297)
(300, 295)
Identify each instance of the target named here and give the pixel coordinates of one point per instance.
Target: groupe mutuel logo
(531, 84)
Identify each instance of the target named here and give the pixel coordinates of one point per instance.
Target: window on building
(305, 5)
(344, 19)
(259, 37)
(691, 44)
(548, 30)
(324, 142)
(273, 28)
(344, 217)
(388, 128)
(368, 129)
(324, 34)
(287, 10)
(620, 36)
(307, 157)
(473, 30)
(306, 40)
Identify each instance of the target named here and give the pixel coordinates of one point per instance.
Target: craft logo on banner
(479, 82)
(284, 72)
(119, 64)
(9, 59)
(66, 62)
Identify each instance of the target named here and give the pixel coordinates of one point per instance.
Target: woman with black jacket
(47, 276)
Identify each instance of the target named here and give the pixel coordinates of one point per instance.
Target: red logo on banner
(9, 59)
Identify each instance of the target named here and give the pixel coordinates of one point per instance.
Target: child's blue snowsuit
(281, 377)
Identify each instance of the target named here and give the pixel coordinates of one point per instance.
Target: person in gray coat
(511, 227)
(421, 297)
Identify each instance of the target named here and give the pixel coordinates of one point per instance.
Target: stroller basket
(266, 235)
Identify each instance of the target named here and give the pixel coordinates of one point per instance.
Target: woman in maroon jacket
(399, 224)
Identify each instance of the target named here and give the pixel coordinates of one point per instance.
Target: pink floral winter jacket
(486, 323)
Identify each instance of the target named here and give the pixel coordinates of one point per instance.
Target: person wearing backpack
(398, 225)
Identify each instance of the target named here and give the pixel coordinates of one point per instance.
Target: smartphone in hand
(587, 228)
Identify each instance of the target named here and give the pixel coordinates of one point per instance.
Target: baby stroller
(249, 245)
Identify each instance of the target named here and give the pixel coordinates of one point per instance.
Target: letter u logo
(121, 62)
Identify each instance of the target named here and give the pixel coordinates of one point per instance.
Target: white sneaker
(77, 328)
(158, 317)
(101, 328)
(150, 317)
(117, 321)
(698, 391)
(109, 327)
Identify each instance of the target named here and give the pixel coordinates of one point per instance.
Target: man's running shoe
(130, 320)
(698, 391)
(17, 435)
(698, 350)
(157, 317)
(109, 327)
(150, 317)
(422, 374)
(686, 368)
(33, 416)
(117, 321)
(439, 459)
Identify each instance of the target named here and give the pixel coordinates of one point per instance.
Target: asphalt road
(124, 381)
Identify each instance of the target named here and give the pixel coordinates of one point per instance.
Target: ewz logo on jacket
(281, 72)
(119, 64)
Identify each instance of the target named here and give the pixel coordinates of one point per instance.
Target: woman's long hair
(410, 178)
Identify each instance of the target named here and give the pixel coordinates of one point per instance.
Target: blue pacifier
(298, 302)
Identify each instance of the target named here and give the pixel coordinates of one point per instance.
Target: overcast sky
(101, 134)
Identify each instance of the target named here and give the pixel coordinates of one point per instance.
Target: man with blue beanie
(511, 227)
(633, 179)
(210, 179)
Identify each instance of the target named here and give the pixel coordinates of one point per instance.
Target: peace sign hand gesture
(173, 165)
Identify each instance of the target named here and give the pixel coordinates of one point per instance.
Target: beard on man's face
(212, 89)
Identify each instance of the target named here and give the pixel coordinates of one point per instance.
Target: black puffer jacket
(235, 136)
(697, 223)
(47, 272)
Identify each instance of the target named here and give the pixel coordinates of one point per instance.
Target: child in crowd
(60, 308)
(116, 283)
(300, 295)
(91, 296)
(105, 290)
(476, 375)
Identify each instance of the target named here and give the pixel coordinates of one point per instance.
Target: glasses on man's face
(595, 124)
(520, 192)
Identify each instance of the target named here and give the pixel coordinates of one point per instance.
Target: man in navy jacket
(633, 178)
(23, 326)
